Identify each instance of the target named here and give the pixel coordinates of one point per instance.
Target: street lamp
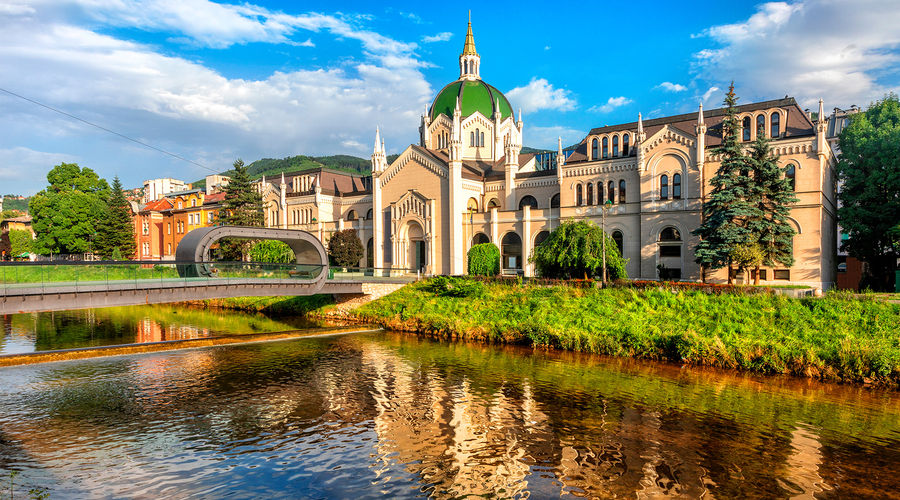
(606, 207)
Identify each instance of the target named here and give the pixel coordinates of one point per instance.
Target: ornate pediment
(412, 203)
(411, 153)
(668, 136)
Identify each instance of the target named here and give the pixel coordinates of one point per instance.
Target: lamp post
(603, 236)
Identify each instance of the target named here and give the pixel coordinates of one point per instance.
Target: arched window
(625, 145)
(528, 200)
(622, 191)
(606, 147)
(482, 139)
(611, 192)
(370, 253)
(540, 238)
(479, 239)
(746, 128)
(351, 215)
(669, 234)
(600, 193)
(790, 174)
(590, 194)
(664, 187)
(369, 214)
(472, 205)
(595, 152)
(776, 125)
(511, 251)
(676, 186)
(760, 125)
(620, 241)
(554, 201)
(615, 145)
(493, 203)
(472, 139)
(578, 196)
(466, 67)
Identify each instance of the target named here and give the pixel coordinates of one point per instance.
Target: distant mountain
(12, 202)
(274, 167)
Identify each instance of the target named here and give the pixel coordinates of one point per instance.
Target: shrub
(345, 249)
(274, 251)
(442, 286)
(484, 260)
(575, 250)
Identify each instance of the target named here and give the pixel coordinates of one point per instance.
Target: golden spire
(469, 48)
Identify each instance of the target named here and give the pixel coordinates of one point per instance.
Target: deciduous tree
(66, 212)
(575, 250)
(345, 249)
(869, 178)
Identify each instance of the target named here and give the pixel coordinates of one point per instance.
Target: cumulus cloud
(611, 104)
(671, 87)
(539, 94)
(845, 52)
(192, 109)
(29, 166)
(440, 37)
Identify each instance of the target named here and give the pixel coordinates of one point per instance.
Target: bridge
(63, 285)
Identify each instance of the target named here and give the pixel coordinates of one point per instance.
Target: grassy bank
(837, 337)
(312, 305)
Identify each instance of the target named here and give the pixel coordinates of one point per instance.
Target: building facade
(466, 182)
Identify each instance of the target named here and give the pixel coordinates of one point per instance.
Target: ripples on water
(392, 416)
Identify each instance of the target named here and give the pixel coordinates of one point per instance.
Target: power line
(173, 155)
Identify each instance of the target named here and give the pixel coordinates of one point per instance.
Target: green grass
(304, 305)
(837, 337)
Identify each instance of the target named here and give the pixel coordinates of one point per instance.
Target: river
(389, 415)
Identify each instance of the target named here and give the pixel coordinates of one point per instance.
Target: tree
(574, 250)
(869, 179)
(746, 256)
(345, 249)
(20, 242)
(727, 209)
(484, 260)
(66, 212)
(772, 195)
(272, 251)
(116, 229)
(242, 206)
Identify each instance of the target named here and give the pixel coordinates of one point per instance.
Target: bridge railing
(84, 275)
(372, 273)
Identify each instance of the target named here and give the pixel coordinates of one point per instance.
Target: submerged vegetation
(837, 337)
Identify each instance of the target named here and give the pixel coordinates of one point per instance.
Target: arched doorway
(370, 253)
(620, 242)
(669, 254)
(415, 237)
(540, 238)
(479, 239)
(511, 253)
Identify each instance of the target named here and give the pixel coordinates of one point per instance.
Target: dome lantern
(469, 60)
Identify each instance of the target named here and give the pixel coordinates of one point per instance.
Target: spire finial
(700, 114)
(469, 47)
(640, 123)
(377, 138)
(821, 110)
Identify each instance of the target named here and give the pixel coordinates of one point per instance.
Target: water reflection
(388, 415)
(125, 325)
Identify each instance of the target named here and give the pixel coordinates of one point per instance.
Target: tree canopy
(272, 251)
(242, 206)
(345, 249)
(66, 212)
(869, 175)
(574, 250)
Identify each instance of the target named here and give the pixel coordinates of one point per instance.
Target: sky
(210, 82)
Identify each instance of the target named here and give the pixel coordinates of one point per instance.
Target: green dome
(474, 95)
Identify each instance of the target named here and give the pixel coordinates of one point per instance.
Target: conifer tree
(727, 209)
(242, 206)
(772, 195)
(115, 231)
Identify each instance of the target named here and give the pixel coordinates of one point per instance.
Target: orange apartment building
(160, 224)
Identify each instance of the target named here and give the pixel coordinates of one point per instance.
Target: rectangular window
(169, 228)
(782, 274)
(169, 249)
(670, 251)
(209, 217)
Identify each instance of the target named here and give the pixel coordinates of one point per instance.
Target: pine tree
(727, 209)
(772, 196)
(115, 232)
(242, 206)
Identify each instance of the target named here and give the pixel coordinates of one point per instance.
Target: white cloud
(28, 167)
(708, 93)
(440, 37)
(611, 104)
(539, 94)
(845, 52)
(671, 87)
(547, 137)
(191, 109)
(307, 43)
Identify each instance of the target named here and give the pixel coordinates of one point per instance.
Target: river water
(390, 415)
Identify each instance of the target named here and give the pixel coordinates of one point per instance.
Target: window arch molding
(656, 171)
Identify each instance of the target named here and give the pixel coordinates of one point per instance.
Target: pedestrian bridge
(62, 285)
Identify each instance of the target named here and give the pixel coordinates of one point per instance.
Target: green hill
(11, 203)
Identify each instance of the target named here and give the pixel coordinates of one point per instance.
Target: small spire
(700, 115)
(640, 123)
(821, 110)
(382, 146)
(377, 138)
(559, 144)
(469, 47)
(282, 177)
(457, 104)
(520, 114)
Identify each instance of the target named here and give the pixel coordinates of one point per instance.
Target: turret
(821, 142)
(283, 200)
(456, 134)
(639, 142)
(701, 138)
(560, 160)
(379, 162)
(469, 60)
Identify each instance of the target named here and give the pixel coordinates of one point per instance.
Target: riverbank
(839, 337)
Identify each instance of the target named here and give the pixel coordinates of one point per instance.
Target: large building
(467, 182)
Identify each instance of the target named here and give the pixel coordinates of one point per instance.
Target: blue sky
(216, 81)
